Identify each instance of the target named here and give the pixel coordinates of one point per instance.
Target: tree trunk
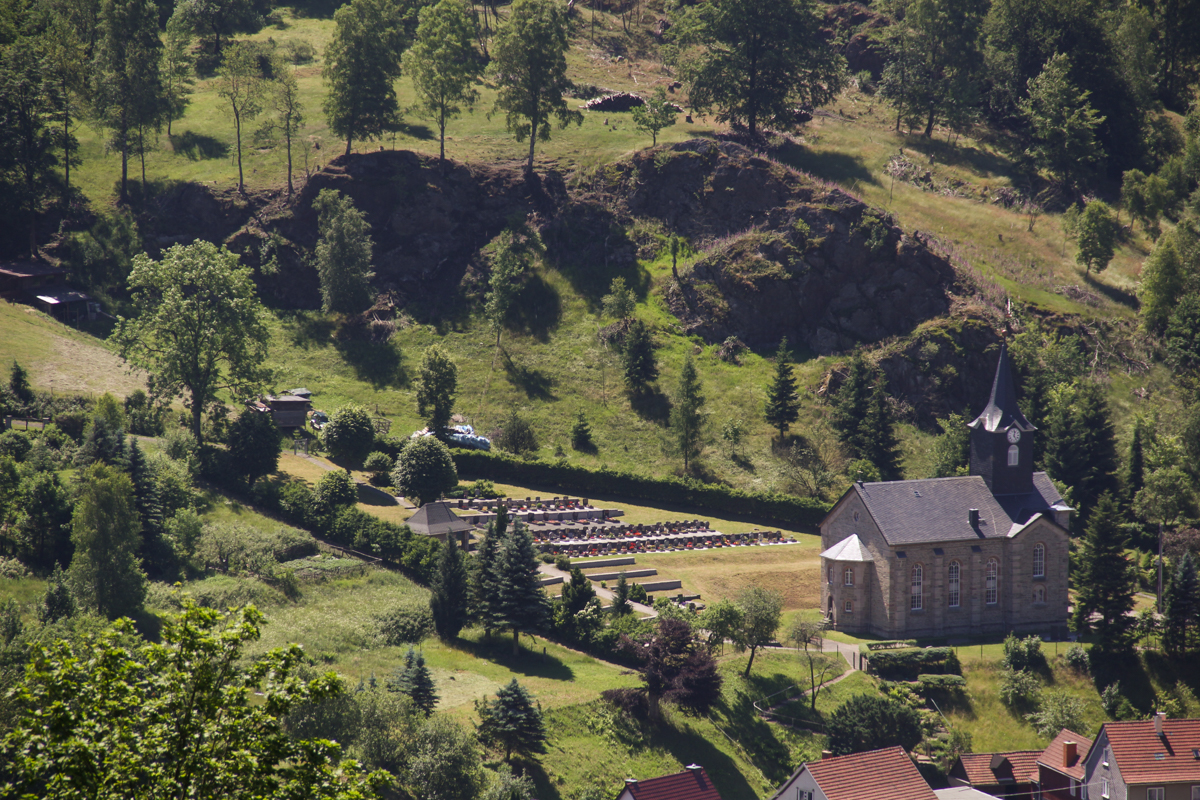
(142, 157)
(442, 137)
(67, 152)
(532, 139)
(516, 642)
(124, 167)
(197, 411)
(750, 663)
(287, 133)
(929, 123)
(654, 707)
(349, 139)
(237, 124)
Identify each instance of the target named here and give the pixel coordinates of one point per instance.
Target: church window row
(954, 584)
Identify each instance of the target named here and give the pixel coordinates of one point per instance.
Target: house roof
(436, 519)
(691, 784)
(1052, 756)
(1145, 757)
(995, 769)
(849, 549)
(868, 776)
(63, 296)
(936, 509)
(286, 400)
(1002, 411)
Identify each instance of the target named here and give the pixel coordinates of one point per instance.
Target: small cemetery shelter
(438, 520)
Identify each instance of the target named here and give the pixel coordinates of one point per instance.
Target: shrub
(637, 593)
(1020, 689)
(908, 663)
(1058, 710)
(405, 625)
(1076, 658)
(72, 423)
(425, 470)
(517, 435)
(1116, 704)
(380, 465)
(867, 722)
(581, 434)
(336, 488)
(349, 434)
(15, 444)
(1022, 654)
(563, 563)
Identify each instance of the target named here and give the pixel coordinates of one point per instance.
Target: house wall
(1054, 785)
(801, 780)
(1094, 769)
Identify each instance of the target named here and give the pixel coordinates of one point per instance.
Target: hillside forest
(692, 258)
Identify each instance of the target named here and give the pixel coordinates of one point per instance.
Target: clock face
(1014, 435)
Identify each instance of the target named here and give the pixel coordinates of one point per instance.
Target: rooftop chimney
(693, 767)
(1158, 721)
(631, 781)
(973, 516)
(826, 754)
(1069, 751)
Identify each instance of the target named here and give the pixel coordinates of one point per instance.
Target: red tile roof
(1013, 767)
(1144, 757)
(691, 784)
(886, 773)
(1052, 756)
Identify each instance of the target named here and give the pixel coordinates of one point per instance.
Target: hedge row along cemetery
(600, 400)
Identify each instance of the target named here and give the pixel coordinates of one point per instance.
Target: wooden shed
(288, 411)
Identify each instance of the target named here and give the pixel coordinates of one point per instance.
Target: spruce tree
(620, 603)
(1181, 606)
(639, 366)
(1135, 464)
(484, 580)
(106, 531)
(512, 721)
(1105, 578)
(414, 680)
(448, 602)
(783, 402)
(851, 405)
(581, 434)
(1081, 446)
(878, 435)
(688, 422)
(577, 592)
(521, 602)
(57, 602)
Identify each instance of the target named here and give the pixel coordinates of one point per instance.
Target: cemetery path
(606, 595)
(325, 465)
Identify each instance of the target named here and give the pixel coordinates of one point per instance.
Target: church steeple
(1001, 437)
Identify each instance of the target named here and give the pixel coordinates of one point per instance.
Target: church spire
(1002, 411)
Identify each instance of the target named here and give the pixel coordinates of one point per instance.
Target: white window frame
(1039, 560)
(848, 577)
(917, 588)
(1074, 788)
(831, 576)
(1104, 787)
(992, 582)
(1156, 793)
(1014, 456)
(954, 584)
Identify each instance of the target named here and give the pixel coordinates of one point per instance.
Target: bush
(1022, 654)
(336, 489)
(72, 423)
(637, 593)
(517, 435)
(405, 625)
(380, 465)
(349, 434)
(1076, 658)
(908, 663)
(563, 563)
(1020, 689)
(868, 722)
(1058, 710)
(15, 444)
(782, 508)
(1116, 704)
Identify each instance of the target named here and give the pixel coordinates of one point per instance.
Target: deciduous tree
(655, 114)
(761, 610)
(620, 301)
(362, 62)
(199, 325)
(676, 667)
(514, 252)
(1097, 236)
(1162, 284)
(178, 68)
(285, 108)
(343, 254)
(254, 445)
(221, 19)
(869, 722)
(425, 470)
(437, 385)
(349, 433)
(105, 575)
(529, 60)
(1062, 121)
(242, 85)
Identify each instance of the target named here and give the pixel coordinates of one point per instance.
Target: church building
(985, 553)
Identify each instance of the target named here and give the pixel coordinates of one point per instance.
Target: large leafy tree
(676, 666)
(513, 252)
(529, 60)
(199, 325)
(362, 63)
(783, 403)
(946, 37)
(425, 470)
(343, 254)
(449, 598)
(444, 64)
(512, 721)
(756, 60)
(1162, 283)
(761, 611)
(219, 20)
(688, 421)
(350, 433)
(445, 762)
(1062, 121)
(242, 84)
(521, 604)
(105, 529)
(1105, 578)
(868, 722)
(183, 717)
(126, 89)
(178, 68)
(437, 385)
(43, 520)
(254, 444)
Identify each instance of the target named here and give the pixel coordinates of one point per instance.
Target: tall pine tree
(1105, 578)
(415, 681)
(1081, 445)
(1135, 464)
(851, 404)
(521, 602)
(451, 593)
(687, 415)
(1181, 606)
(783, 402)
(638, 364)
(484, 579)
(878, 434)
(512, 721)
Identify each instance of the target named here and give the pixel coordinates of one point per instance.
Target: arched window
(916, 601)
(991, 583)
(831, 576)
(1039, 594)
(953, 594)
(1014, 455)
(1039, 560)
(849, 576)
(849, 606)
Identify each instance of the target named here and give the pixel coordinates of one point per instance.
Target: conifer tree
(484, 587)
(851, 404)
(1181, 605)
(688, 422)
(57, 602)
(783, 403)
(106, 531)
(952, 450)
(620, 603)
(450, 596)
(511, 721)
(414, 680)
(1105, 578)
(581, 433)
(639, 365)
(878, 435)
(521, 602)
(577, 592)
(1081, 446)
(158, 557)
(43, 520)
(1135, 464)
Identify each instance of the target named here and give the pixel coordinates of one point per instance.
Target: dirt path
(375, 491)
(551, 571)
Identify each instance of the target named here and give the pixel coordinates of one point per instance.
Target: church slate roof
(1002, 411)
(936, 510)
(849, 549)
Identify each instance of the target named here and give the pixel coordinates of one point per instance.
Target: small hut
(439, 521)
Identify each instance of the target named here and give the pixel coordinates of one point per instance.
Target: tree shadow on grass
(536, 384)
(377, 363)
(528, 662)
(742, 723)
(198, 147)
(371, 496)
(837, 167)
(538, 309)
(308, 329)
(1119, 296)
(422, 132)
(651, 405)
(690, 747)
